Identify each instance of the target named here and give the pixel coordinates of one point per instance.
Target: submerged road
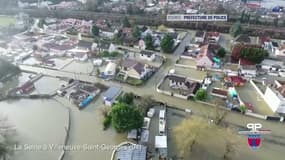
(150, 89)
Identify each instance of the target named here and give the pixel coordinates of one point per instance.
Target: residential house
(213, 37)
(135, 69)
(270, 65)
(107, 34)
(205, 57)
(57, 49)
(81, 25)
(248, 71)
(141, 45)
(265, 42)
(127, 32)
(147, 55)
(110, 96)
(86, 46)
(243, 38)
(280, 51)
(110, 70)
(146, 32)
(272, 47)
(183, 83)
(103, 46)
(200, 36)
(274, 96)
(26, 88)
(80, 56)
(235, 80)
(112, 48)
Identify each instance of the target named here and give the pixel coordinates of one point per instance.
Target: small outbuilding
(111, 95)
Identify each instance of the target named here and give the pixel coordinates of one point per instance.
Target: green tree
(136, 32)
(126, 117)
(256, 55)
(221, 52)
(167, 43)
(41, 23)
(148, 42)
(236, 29)
(201, 95)
(95, 30)
(126, 22)
(242, 108)
(127, 98)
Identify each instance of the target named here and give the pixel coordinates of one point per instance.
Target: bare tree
(191, 133)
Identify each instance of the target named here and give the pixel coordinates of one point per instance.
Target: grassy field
(6, 21)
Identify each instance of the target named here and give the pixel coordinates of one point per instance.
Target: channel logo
(254, 133)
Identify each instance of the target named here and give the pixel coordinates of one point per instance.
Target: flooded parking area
(79, 67)
(248, 94)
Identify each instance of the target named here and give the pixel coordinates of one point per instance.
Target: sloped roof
(139, 67)
(127, 63)
(243, 38)
(132, 153)
(205, 51)
(85, 44)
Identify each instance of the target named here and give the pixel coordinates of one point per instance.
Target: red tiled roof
(265, 39)
(253, 6)
(236, 79)
(244, 62)
(204, 51)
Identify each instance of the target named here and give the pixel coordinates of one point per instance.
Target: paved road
(180, 49)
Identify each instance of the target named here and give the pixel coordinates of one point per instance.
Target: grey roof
(112, 93)
(146, 52)
(139, 67)
(176, 78)
(84, 44)
(137, 152)
(128, 63)
(104, 45)
(274, 44)
(243, 38)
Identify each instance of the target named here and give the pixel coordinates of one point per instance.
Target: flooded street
(43, 122)
(36, 122)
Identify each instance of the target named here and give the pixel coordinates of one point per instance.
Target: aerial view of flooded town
(142, 79)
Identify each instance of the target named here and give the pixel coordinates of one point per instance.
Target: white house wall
(272, 99)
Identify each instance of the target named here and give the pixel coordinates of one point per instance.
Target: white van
(162, 115)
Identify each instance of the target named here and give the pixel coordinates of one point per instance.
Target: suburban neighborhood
(85, 79)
